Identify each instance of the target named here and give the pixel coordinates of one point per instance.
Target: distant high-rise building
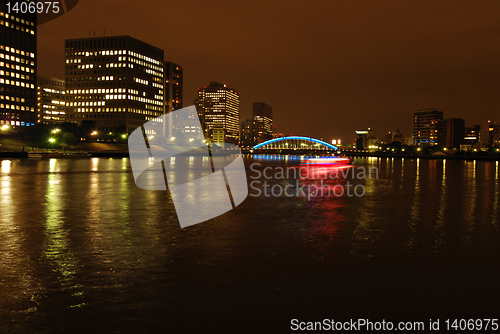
(398, 136)
(472, 135)
(387, 138)
(218, 106)
(361, 142)
(490, 133)
(51, 100)
(18, 95)
(174, 77)
(117, 82)
(455, 130)
(173, 86)
(247, 133)
(428, 127)
(263, 118)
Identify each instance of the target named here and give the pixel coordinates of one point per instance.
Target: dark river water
(82, 249)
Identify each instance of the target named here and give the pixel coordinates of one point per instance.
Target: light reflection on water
(78, 234)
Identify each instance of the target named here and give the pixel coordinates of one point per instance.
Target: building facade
(117, 82)
(174, 79)
(18, 93)
(51, 100)
(428, 128)
(219, 107)
(455, 130)
(247, 133)
(263, 121)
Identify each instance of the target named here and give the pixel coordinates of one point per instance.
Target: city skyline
(358, 66)
(370, 66)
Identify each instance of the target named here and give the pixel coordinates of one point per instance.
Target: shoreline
(125, 154)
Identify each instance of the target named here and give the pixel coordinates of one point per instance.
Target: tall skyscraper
(263, 118)
(428, 127)
(173, 75)
(219, 106)
(173, 86)
(18, 94)
(117, 82)
(51, 100)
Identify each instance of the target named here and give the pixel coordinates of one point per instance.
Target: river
(82, 249)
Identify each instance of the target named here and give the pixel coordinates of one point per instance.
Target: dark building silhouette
(247, 133)
(173, 86)
(263, 121)
(18, 92)
(116, 81)
(398, 136)
(455, 130)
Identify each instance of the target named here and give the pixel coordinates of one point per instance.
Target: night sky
(327, 68)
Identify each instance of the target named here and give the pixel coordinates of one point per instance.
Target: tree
(69, 138)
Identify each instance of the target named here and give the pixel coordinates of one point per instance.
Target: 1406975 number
(25, 7)
(472, 324)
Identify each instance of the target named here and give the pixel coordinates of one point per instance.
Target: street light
(52, 140)
(5, 128)
(56, 131)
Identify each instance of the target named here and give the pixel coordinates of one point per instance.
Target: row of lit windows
(15, 107)
(50, 90)
(17, 59)
(141, 81)
(15, 26)
(94, 91)
(141, 58)
(17, 19)
(12, 98)
(14, 50)
(16, 83)
(15, 123)
(17, 67)
(15, 75)
(86, 104)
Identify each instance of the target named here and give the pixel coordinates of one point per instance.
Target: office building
(428, 127)
(219, 106)
(18, 94)
(117, 82)
(472, 138)
(51, 100)
(455, 130)
(263, 119)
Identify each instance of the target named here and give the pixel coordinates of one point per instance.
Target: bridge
(294, 145)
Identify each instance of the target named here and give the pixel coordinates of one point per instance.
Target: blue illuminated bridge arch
(295, 142)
